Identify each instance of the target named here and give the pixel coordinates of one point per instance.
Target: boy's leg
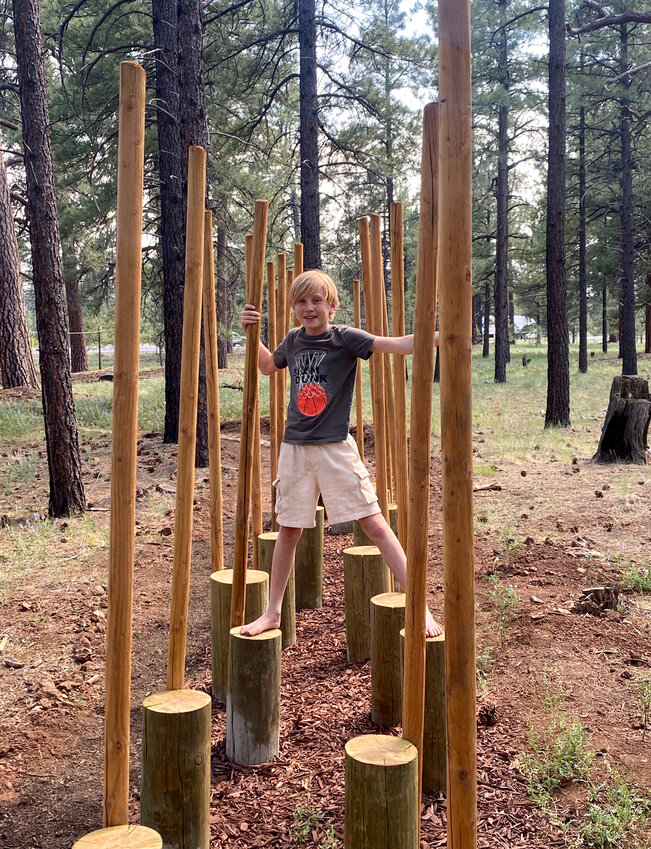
(281, 566)
(378, 530)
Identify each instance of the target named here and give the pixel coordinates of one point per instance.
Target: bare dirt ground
(572, 526)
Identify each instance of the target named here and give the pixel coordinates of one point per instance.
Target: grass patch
(615, 812)
(636, 579)
(21, 423)
(505, 600)
(484, 664)
(307, 824)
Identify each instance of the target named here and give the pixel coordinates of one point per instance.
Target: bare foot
(432, 627)
(267, 622)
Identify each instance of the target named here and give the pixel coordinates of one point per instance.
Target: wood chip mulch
(325, 701)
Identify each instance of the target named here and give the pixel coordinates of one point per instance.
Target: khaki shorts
(333, 469)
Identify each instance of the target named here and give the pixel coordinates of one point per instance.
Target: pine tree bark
(558, 368)
(309, 135)
(487, 320)
(64, 461)
(16, 362)
(223, 300)
(194, 131)
(172, 220)
(627, 287)
(583, 271)
(78, 352)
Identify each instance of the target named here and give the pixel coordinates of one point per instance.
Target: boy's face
(314, 312)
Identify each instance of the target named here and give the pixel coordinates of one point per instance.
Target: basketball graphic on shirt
(312, 399)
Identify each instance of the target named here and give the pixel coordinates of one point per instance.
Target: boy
(318, 455)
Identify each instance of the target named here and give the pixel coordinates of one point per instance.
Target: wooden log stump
(266, 545)
(120, 837)
(175, 791)
(221, 589)
(387, 620)
(253, 702)
(624, 436)
(382, 802)
(308, 566)
(365, 575)
(434, 735)
(359, 537)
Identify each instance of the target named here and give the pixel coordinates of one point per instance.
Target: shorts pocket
(366, 487)
(278, 499)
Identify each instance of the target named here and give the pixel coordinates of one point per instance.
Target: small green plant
(330, 841)
(614, 814)
(508, 546)
(559, 754)
(484, 664)
(644, 701)
(505, 599)
(636, 579)
(306, 819)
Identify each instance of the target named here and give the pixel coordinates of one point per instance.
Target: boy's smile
(314, 313)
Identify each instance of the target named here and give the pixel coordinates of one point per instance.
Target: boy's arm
(265, 358)
(397, 344)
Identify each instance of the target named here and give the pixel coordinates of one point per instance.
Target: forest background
(318, 108)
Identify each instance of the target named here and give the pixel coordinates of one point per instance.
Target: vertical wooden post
(273, 389)
(288, 306)
(281, 331)
(390, 415)
(131, 146)
(359, 403)
(187, 417)
(298, 258)
(420, 448)
(254, 296)
(370, 272)
(455, 305)
(212, 387)
(256, 472)
(99, 349)
(399, 380)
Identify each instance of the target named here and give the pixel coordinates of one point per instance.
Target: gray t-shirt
(322, 372)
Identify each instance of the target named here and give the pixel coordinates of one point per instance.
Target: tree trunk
(194, 131)
(64, 461)
(309, 134)
(604, 316)
(223, 300)
(647, 323)
(583, 287)
(487, 319)
(172, 220)
(78, 352)
(558, 368)
(16, 362)
(626, 427)
(501, 254)
(627, 289)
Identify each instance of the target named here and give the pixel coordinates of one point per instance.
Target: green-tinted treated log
(434, 736)
(365, 575)
(387, 620)
(359, 537)
(266, 545)
(308, 566)
(253, 702)
(120, 837)
(221, 588)
(175, 791)
(382, 804)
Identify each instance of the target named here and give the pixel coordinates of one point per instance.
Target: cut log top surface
(176, 701)
(121, 837)
(368, 550)
(439, 639)
(269, 535)
(381, 750)
(253, 576)
(389, 600)
(272, 634)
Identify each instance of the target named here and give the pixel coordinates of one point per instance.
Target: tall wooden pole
(420, 447)
(455, 305)
(256, 480)
(254, 296)
(212, 386)
(131, 146)
(298, 258)
(359, 403)
(370, 238)
(194, 248)
(389, 406)
(273, 388)
(399, 380)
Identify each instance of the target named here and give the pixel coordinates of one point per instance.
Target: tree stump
(626, 428)
(387, 620)
(382, 804)
(308, 566)
(365, 575)
(266, 546)
(120, 837)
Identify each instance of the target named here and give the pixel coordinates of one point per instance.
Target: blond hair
(313, 281)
